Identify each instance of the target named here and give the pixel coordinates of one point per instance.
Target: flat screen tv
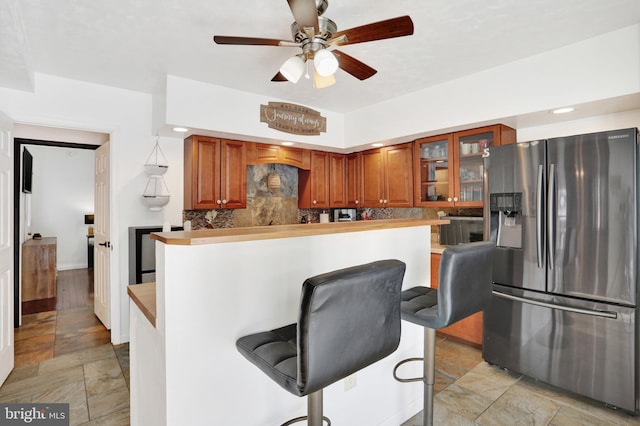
(27, 171)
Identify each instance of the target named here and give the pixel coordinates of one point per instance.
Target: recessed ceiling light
(287, 143)
(180, 129)
(377, 145)
(562, 110)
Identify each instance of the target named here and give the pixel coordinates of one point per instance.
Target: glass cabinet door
(471, 165)
(434, 181)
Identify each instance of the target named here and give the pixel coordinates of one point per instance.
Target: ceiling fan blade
(305, 13)
(390, 28)
(279, 77)
(253, 41)
(358, 69)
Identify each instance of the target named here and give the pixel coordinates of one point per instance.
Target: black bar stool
(348, 319)
(464, 288)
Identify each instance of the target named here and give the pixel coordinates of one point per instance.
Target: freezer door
(592, 216)
(519, 169)
(585, 347)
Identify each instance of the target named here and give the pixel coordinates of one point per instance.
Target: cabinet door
(337, 180)
(313, 185)
(201, 173)
(354, 179)
(469, 147)
(433, 171)
(398, 175)
(233, 174)
(373, 178)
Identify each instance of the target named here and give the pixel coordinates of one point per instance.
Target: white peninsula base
(210, 291)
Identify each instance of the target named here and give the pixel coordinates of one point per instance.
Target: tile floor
(47, 334)
(471, 392)
(65, 356)
(94, 381)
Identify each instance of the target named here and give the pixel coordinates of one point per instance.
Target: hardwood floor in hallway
(72, 327)
(65, 356)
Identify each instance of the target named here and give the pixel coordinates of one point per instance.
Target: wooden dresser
(39, 269)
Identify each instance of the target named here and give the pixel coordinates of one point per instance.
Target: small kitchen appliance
(344, 215)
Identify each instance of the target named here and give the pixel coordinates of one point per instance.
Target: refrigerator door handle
(539, 217)
(551, 208)
(603, 314)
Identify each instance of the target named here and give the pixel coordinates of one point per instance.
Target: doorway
(65, 323)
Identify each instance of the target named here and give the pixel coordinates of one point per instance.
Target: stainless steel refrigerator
(564, 216)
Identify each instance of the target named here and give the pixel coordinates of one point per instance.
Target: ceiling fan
(314, 34)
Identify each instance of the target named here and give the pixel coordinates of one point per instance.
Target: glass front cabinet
(449, 168)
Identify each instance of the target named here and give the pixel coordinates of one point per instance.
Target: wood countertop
(144, 296)
(230, 235)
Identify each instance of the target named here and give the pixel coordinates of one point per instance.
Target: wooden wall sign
(292, 118)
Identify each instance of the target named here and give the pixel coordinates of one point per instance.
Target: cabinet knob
(224, 201)
(381, 201)
(357, 201)
(449, 199)
(314, 202)
(219, 201)
(455, 199)
(386, 201)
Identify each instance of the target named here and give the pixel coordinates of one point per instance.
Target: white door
(6, 247)
(102, 246)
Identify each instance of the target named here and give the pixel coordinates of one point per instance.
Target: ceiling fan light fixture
(325, 63)
(320, 82)
(293, 68)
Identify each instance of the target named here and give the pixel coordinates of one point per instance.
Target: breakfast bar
(214, 286)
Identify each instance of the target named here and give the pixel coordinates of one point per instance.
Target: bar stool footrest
(303, 418)
(403, 380)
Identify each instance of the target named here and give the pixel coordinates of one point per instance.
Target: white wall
(598, 123)
(62, 194)
(231, 112)
(126, 116)
(603, 67)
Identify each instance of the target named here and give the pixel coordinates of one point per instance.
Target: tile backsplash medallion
(272, 199)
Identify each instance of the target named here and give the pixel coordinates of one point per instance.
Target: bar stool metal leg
(428, 377)
(429, 374)
(314, 415)
(314, 408)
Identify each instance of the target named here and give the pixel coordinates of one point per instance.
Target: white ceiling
(135, 44)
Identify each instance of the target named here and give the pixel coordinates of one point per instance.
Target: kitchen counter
(144, 296)
(254, 233)
(214, 286)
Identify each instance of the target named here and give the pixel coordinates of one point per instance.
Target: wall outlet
(350, 382)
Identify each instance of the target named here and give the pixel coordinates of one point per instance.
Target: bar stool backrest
(465, 278)
(349, 319)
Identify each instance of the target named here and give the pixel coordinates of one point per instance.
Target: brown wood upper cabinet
(354, 179)
(338, 180)
(387, 176)
(260, 153)
(215, 173)
(448, 169)
(313, 185)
